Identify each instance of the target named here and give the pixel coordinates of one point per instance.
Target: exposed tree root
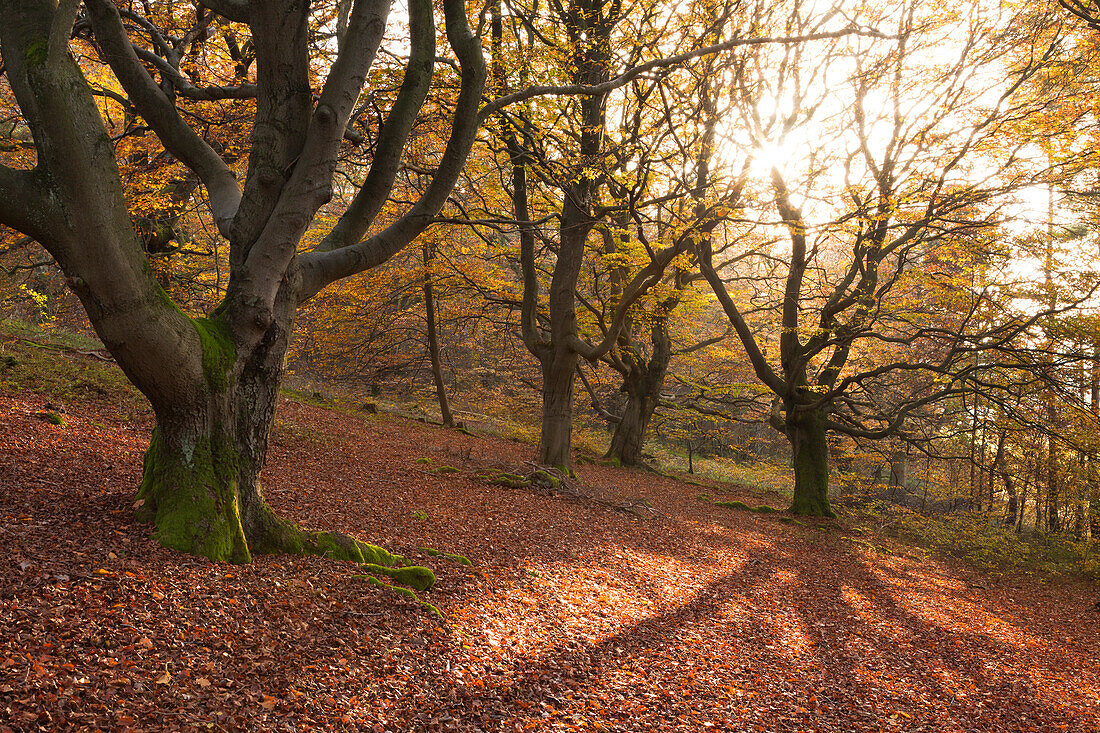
(552, 481)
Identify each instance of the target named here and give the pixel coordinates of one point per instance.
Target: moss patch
(414, 576)
(401, 591)
(503, 478)
(189, 490)
(283, 536)
(762, 509)
(460, 559)
(218, 352)
(37, 51)
(338, 546)
(545, 478)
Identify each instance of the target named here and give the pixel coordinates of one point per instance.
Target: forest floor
(574, 616)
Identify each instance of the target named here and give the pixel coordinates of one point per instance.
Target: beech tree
(213, 381)
(886, 207)
(563, 156)
(673, 168)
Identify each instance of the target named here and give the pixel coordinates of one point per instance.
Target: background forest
(842, 251)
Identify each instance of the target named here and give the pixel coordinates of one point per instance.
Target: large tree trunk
(190, 483)
(555, 438)
(643, 390)
(810, 448)
(642, 383)
(630, 431)
(201, 476)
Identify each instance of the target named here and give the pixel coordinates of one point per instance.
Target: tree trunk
(201, 475)
(1054, 521)
(190, 482)
(433, 340)
(643, 390)
(200, 482)
(643, 382)
(555, 439)
(1010, 491)
(806, 432)
(630, 431)
(899, 469)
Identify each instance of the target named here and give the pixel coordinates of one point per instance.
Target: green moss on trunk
(189, 491)
(811, 466)
(218, 352)
(37, 51)
(192, 484)
(274, 535)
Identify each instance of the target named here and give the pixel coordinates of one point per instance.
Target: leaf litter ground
(574, 616)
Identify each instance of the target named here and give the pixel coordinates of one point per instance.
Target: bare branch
(150, 101)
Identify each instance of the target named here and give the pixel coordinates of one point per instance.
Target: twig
(56, 347)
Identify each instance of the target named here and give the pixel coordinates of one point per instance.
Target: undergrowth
(983, 542)
(60, 366)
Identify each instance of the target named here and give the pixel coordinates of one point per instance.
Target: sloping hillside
(574, 616)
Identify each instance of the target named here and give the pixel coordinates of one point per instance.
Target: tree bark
(1011, 509)
(642, 383)
(1054, 517)
(201, 476)
(555, 437)
(630, 431)
(433, 340)
(899, 469)
(810, 448)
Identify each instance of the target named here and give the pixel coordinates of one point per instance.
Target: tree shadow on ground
(782, 643)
